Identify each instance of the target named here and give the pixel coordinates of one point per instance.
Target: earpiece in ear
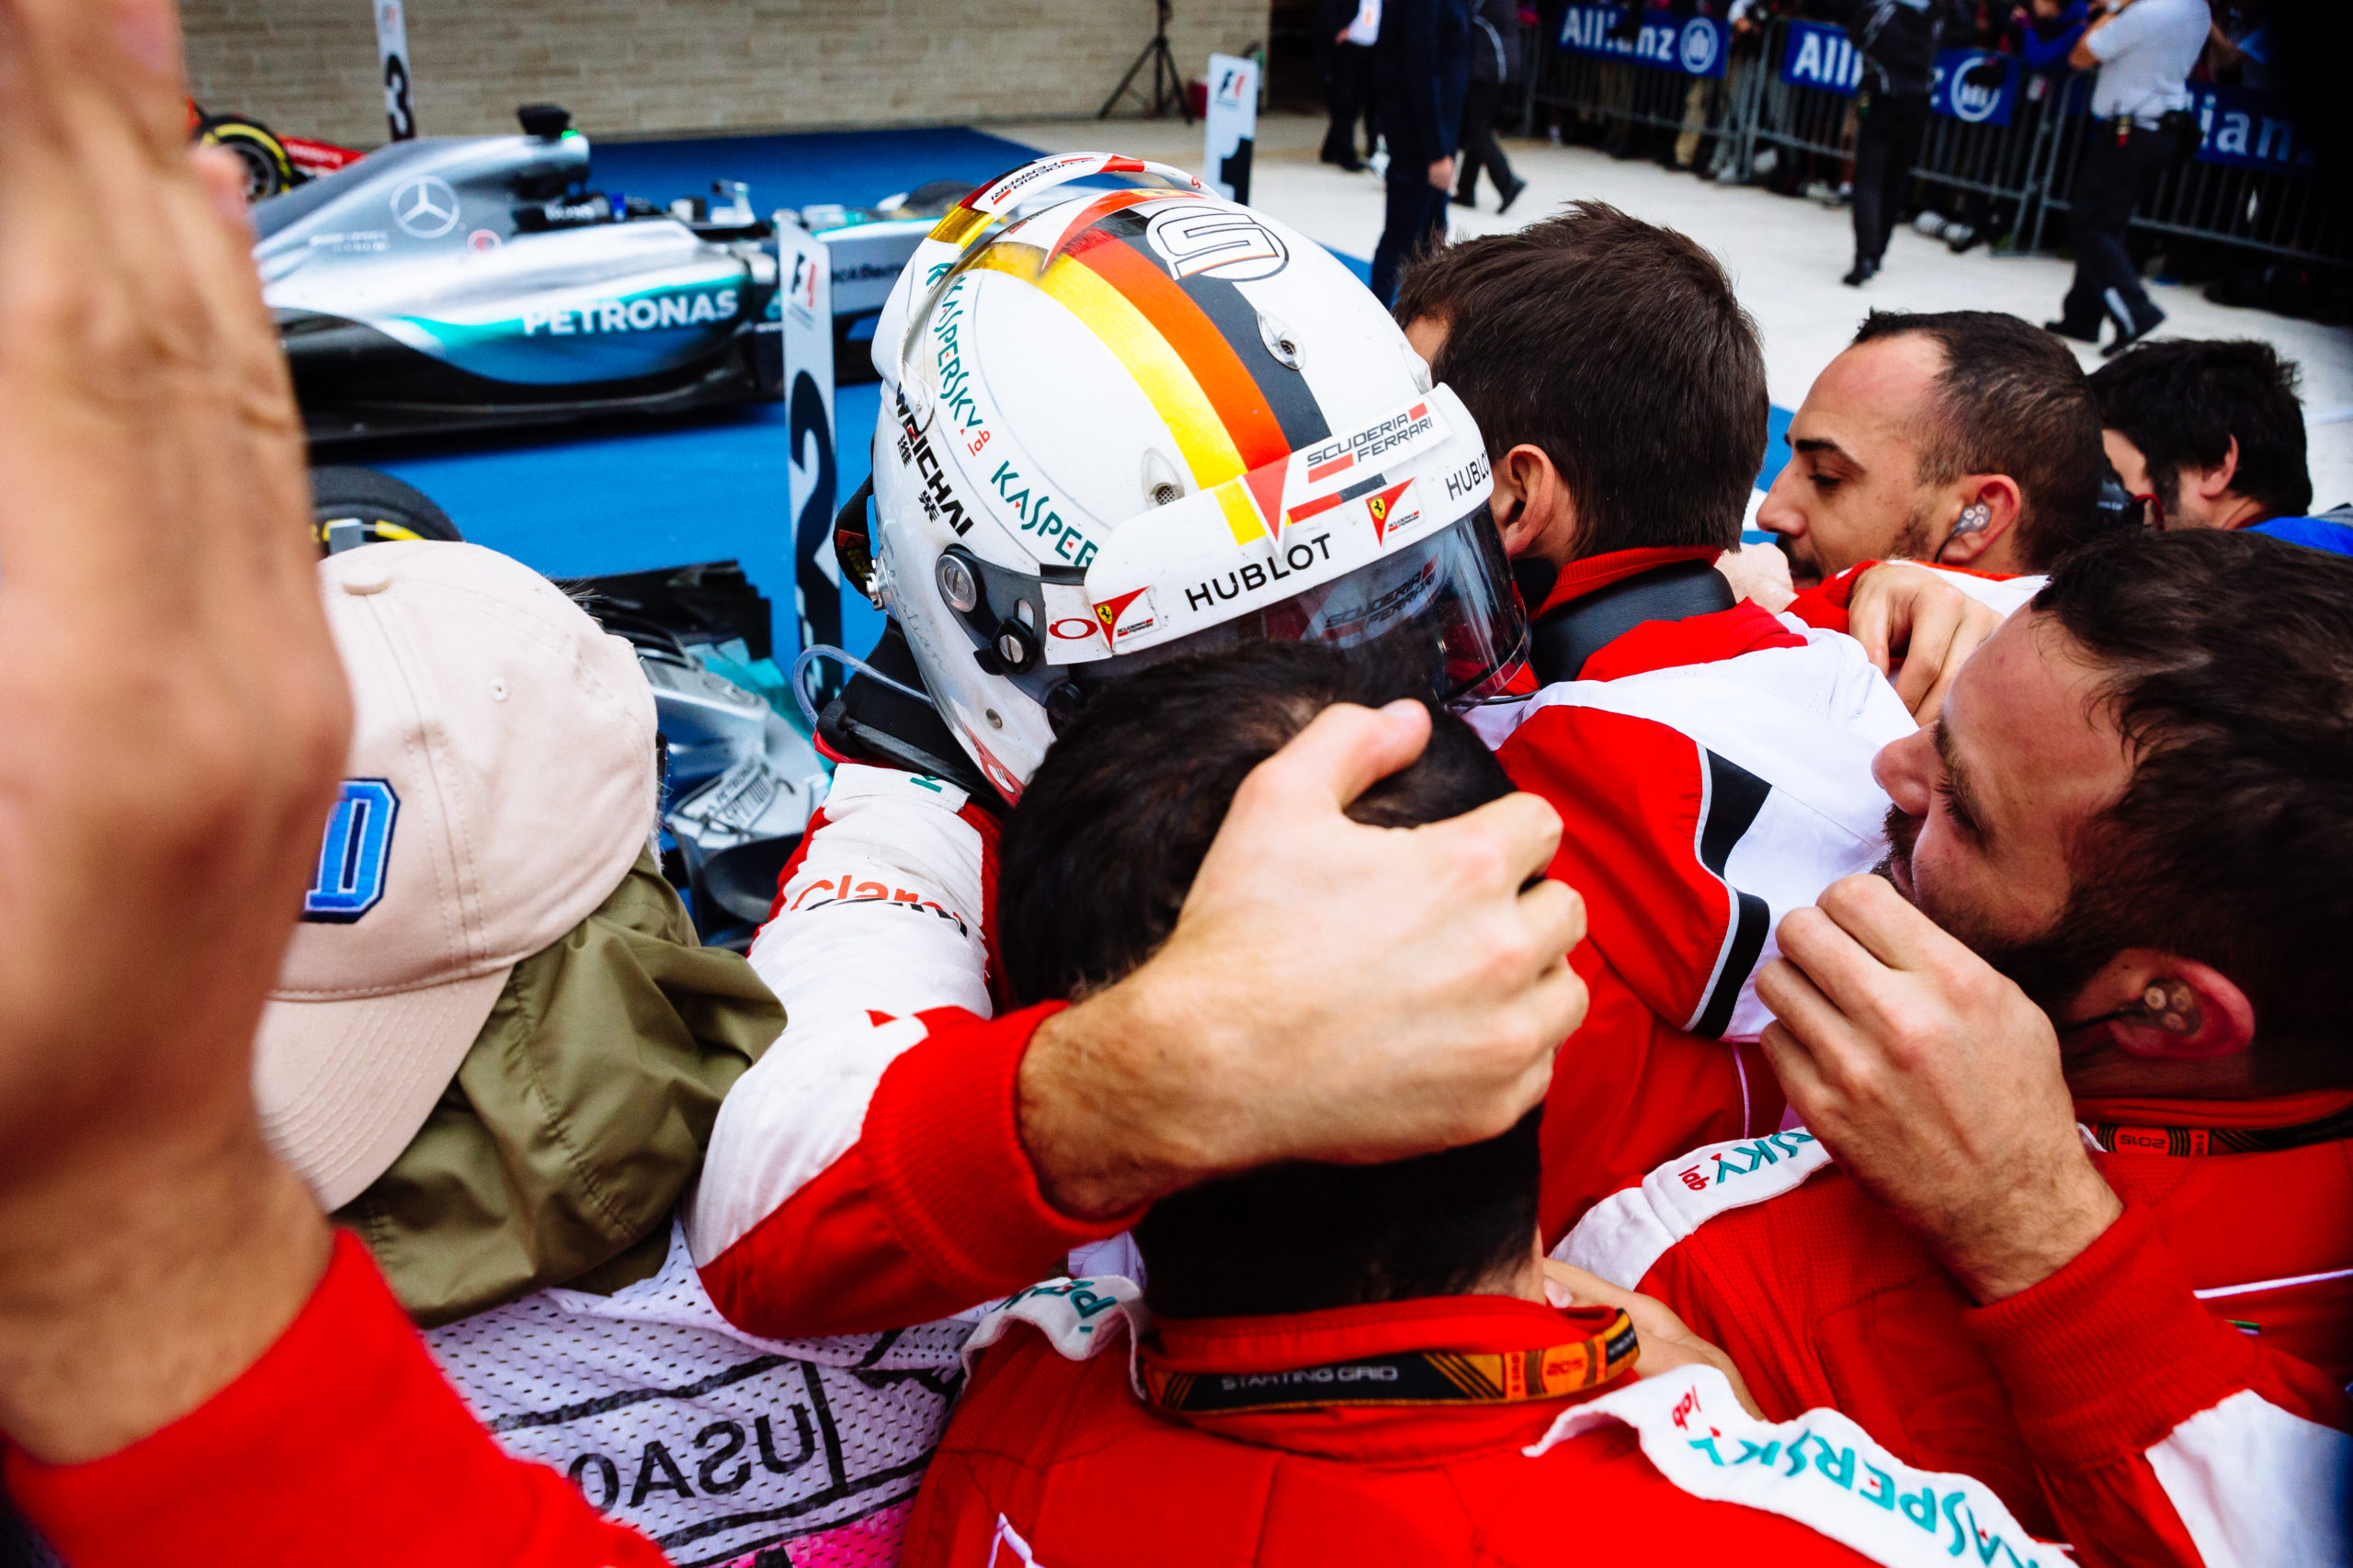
(2172, 1006)
(1973, 518)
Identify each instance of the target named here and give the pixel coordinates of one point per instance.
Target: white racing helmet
(1123, 425)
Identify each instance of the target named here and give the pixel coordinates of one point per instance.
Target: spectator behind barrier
(2141, 52)
(1367, 1353)
(2209, 435)
(2134, 809)
(1963, 437)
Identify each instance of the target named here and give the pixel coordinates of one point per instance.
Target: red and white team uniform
(1825, 605)
(1054, 1461)
(2172, 1396)
(1712, 773)
(1085, 1438)
(867, 1173)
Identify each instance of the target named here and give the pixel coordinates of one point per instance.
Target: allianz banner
(2238, 128)
(1971, 85)
(1696, 46)
(2249, 130)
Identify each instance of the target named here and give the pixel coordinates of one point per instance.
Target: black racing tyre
(268, 169)
(381, 507)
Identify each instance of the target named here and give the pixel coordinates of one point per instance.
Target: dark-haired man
(1620, 391)
(1340, 1363)
(1963, 438)
(2120, 898)
(2209, 435)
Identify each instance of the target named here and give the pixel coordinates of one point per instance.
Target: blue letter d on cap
(349, 880)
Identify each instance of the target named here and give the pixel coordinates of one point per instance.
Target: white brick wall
(308, 67)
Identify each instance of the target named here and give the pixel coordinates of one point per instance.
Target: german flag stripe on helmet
(1285, 390)
(1257, 435)
(1160, 369)
(1194, 348)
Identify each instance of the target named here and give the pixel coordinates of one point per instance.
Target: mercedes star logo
(425, 206)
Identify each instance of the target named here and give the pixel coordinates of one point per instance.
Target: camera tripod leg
(1167, 82)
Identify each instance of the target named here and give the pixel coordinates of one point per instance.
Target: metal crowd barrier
(2271, 211)
(1622, 96)
(1793, 119)
(2025, 169)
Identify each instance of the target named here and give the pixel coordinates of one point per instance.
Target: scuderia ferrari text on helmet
(1120, 425)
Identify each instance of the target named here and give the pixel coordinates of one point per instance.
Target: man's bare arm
(175, 720)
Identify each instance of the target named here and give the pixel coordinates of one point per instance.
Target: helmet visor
(1448, 604)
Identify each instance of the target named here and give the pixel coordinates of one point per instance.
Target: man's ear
(2175, 1009)
(1990, 543)
(2213, 483)
(1531, 505)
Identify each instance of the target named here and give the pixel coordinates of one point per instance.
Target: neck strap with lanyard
(2185, 1141)
(1405, 1377)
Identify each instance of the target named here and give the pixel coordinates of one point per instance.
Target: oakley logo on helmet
(348, 881)
(1199, 241)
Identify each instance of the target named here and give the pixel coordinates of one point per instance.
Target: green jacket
(577, 1119)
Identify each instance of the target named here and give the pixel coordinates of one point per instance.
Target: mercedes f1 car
(460, 283)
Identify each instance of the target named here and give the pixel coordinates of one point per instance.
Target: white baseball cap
(502, 781)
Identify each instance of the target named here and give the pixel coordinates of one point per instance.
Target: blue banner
(2249, 130)
(1820, 55)
(1975, 102)
(1696, 46)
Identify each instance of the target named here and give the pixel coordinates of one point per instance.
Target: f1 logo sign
(348, 881)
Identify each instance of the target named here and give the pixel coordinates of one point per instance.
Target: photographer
(2143, 51)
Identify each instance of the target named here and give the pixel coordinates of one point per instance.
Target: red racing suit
(1055, 1459)
(343, 1443)
(867, 1173)
(2172, 1396)
(1825, 604)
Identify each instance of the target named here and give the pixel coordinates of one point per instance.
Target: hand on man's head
(175, 718)
(1331, 990)
(1933, 1082)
